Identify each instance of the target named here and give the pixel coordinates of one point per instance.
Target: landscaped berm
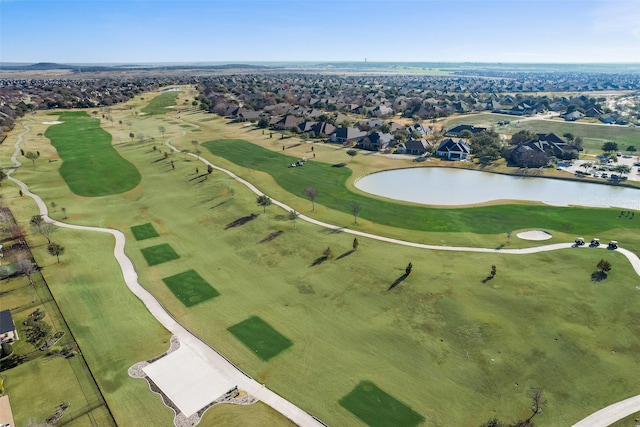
(377, 408)
(144, 231)
(260, 337)
(158, 254)
(91, 167)
(190, 288)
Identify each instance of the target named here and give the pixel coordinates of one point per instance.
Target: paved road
(612, 413)
(297, 415)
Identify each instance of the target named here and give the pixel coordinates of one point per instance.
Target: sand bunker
(534, 235)
(52, 123)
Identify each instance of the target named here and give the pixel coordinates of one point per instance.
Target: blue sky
(142, 31)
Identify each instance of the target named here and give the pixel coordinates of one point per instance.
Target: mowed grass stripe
(190, 288)
(377, 408)
(159, 104)
(144, 231)
(91, 167)
(332, 192)
(159, 254)
(260, 337)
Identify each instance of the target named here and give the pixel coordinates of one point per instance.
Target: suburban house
(317, 129)
(552, 145)
(346, 135)
(287, 122)
(416, 147)
(8, 331)
(422, 130)
(453, 150)
(573, 116)
(375, 141)
(457, 130)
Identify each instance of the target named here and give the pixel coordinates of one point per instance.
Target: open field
(90, 165)
(455, 350)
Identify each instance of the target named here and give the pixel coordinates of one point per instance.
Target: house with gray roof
(8, 333)
(451, 149)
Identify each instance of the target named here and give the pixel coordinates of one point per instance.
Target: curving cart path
(602, 418)
(198, 348)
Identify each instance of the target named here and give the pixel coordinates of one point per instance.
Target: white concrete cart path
(195, 348)
(230, 371)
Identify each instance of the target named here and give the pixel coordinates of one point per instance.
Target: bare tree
(32, 156)
(195, 148)
(47, 229)
(355, 243)
(355, 210)
(3, 176)
(162, 130)
(36, 222)
(537, 402)
(312, 194)
(26, 267)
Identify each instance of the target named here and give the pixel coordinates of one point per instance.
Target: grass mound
(144, 231)
(91, 167)
(260, 337)
(190, 288)
(158, 254)
(330, 182)
(377, 408)
(159, 104)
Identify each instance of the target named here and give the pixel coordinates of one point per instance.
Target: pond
(449, 187)
(171, 89)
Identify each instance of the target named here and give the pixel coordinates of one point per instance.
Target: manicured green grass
(91, 167)
(144, 231)
(159, 104)
(377, 408)
(159, 254)
(442, 342)
(333, 193)
(190, 288)
(260, 337)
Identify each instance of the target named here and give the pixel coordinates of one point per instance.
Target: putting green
(377, 408)
(144, 231)
(190, 288)
(91, 167)
(260, 337)
(332, 192)
(159, 254)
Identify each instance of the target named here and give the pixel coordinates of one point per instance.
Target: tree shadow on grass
(198, 176)
(346, 254)
(397, 281)
(336, 230)
(271, 236)
(241, 221)
(219, 204)
(319, 261)
(598, 276)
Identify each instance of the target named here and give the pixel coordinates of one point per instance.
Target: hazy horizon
(320, 31)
